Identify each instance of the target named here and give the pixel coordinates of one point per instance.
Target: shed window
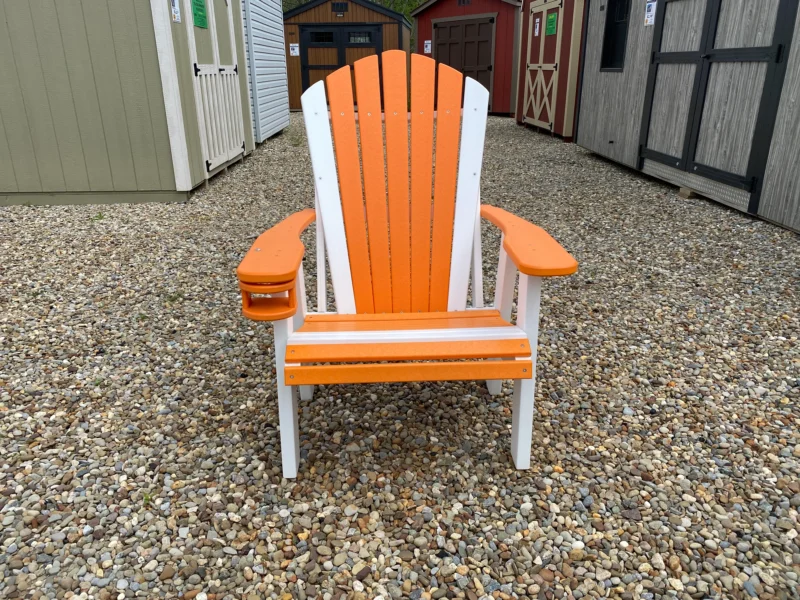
(322, 37)
(360, 37)
(616, 34)
(339, 7)
(464, 2)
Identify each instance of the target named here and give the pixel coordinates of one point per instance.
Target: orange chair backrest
(398, 217)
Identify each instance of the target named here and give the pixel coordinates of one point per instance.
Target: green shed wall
(81, 103)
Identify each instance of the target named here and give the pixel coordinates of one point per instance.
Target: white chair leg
(495, 386)
(522, 422)
(287, 404)
(530, 292)
(306, 392)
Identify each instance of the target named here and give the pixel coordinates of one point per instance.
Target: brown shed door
(467, 46)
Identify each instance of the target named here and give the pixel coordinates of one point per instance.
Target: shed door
(545, 30)
(468, 46)
(212, 50)
(327, 47)
(714, 86)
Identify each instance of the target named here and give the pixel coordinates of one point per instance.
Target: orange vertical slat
(368, 91)
(448, 125)
(343, 125)
(422, 94)
(395, 102)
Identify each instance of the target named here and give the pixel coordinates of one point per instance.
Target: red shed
(550, 64)
(480, 38)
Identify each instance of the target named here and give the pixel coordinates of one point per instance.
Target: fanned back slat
(448, 123)
(340, 97)
(422, 94)
(370, 125)
(395, 101)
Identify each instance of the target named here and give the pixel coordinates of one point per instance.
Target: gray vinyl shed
(704, 94)
(266, 67)
(119, 101)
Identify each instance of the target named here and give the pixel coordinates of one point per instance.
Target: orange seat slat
(423, 75)
(407, 351)
(448, 127)
(343, 125)
(395, 98)
(370, 126)
(400, 372)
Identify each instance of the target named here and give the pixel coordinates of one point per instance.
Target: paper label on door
(175, 7)
(426, 48)
(199, 14)
(650, 13)
(551, 27)
(294, 49)
(536, 28)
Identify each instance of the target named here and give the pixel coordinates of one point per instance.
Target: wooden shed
(480, 38)
(550, 64)
(323, 35)
(699, 93)
(113, 101)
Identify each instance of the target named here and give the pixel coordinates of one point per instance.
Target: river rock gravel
(139, 449)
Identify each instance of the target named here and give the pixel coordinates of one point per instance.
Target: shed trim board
(492, 16)
(172, 95)
(370, 5)
(706, 55)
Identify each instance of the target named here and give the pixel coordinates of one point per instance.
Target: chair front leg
(287, 403)
(503, 300)
(306, 391)
(530, 292)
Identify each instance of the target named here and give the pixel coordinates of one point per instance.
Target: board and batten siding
(266, 67)
(611, 102)
(780, 196)
(81, 103)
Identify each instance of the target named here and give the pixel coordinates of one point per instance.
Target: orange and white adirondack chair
(400, 257)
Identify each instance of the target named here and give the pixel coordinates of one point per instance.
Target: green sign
(199, 13)
(552, 24)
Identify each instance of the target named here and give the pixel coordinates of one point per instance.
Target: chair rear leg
(306, 392)
(287, 404)
(495, 386)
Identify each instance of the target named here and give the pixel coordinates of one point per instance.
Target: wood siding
(683, 26)
(729, 115)
(746, 23)
(611, 104)
(780, 196)
(294, 73)
(671, 103)
(82, 105)
(504, 56)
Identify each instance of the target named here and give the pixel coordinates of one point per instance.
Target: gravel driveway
(139, 454)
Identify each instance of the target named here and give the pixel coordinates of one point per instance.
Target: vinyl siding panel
(266, 67)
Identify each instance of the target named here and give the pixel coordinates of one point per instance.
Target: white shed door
(266, 67)
(216, 82)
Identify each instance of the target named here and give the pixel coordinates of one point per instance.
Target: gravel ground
(140, 453)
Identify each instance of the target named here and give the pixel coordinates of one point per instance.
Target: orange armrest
(277, 253)
(531, 248)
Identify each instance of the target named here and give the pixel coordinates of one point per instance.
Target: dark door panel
(467, 46)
